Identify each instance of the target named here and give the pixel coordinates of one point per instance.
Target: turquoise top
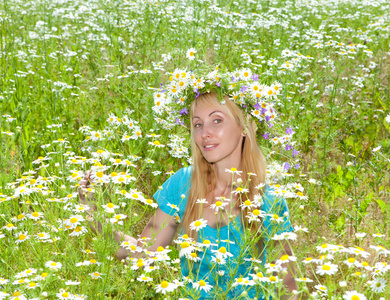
(179, 184)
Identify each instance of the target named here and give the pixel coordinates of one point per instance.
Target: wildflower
(324, 248)
(243, 281)
(304, 279)
(354, 296)
(240, 190)
(201, 201)
(275, 217)
(144, 278)
(149, 269)
(70, 282)
(273, 279)
(21, 237)
(9, 227)
(35, 216)
(378, 235)
(352, 262)
(286, 258)
(42, 236)
(186, 249)
(248, 205)
(165, 287)
(259, 276)
(328, 269)
(233, 171)
(32, 285)
(378, 285)
(198, 224)
(95, 275)
(222, 252)
(218, 205)
(74, 221)
(52, 265)
(78, 231)
(321, 288)
(190, 54)
(202, 285)
(380, 249)
(110, 207)
(64, 295)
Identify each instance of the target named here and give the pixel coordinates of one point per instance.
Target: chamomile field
(99, 87)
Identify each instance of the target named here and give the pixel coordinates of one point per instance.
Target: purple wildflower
(289, 131)
(184, 111)
(255, 77)
(244, 88)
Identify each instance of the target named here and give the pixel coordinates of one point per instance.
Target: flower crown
(172, 101)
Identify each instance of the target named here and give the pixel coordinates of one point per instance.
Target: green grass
(74, 63)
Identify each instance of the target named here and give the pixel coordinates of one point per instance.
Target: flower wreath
(172, 101)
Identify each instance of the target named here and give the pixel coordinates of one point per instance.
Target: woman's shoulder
(178, 179)
(184, 174)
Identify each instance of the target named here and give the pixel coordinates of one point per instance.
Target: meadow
(78, 90)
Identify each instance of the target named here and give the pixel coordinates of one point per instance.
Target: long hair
(202, 177)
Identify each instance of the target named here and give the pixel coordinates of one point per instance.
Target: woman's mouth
(210, 147)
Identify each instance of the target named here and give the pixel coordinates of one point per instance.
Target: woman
(209, 203)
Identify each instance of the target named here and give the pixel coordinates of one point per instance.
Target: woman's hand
(86, 194)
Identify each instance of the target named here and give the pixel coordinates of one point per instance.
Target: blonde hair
(252, 160)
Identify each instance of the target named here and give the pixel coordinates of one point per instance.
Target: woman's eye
(197, 125)
(217, 121)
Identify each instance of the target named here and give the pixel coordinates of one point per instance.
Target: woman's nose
(206, 132)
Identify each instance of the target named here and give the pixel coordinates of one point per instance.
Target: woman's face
(217, 135)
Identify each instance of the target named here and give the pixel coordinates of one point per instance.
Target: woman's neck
(224, 181)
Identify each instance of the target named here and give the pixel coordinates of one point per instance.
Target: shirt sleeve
(172, 198)
(277, 218)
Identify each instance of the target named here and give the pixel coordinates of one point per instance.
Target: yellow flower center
(272, 278)
(326, 267)
(202, 283)
(184, 245)
(99, 174)
(222, 250)
(198, 223)
(164, 284)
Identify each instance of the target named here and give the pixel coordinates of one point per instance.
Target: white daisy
(198, 224)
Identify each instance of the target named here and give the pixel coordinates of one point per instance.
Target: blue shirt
(170, 196)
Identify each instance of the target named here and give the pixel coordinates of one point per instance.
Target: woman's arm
(159, 231)
(289, 279)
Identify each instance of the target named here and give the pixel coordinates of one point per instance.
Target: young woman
(213, 203)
